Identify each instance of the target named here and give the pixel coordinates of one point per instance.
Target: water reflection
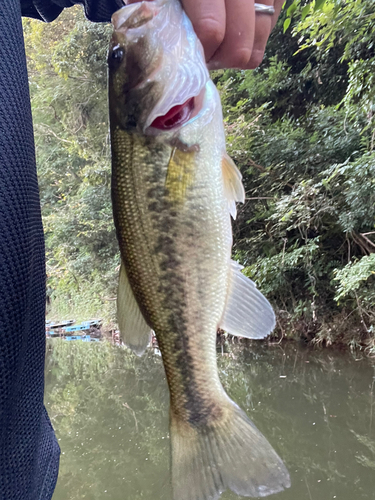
(110, 412)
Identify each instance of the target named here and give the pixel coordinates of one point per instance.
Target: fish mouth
(175, 117)
(180, 114)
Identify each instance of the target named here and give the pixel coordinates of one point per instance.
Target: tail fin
(232, 454)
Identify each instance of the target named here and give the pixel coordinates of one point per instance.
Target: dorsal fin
(233, 187)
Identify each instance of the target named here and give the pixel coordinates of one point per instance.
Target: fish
(174, 191)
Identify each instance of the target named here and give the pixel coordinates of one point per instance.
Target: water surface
(110, 412)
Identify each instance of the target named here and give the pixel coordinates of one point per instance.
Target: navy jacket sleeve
(29, 451)
(48, 10)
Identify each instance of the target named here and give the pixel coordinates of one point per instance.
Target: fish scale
(162, 293)
(173, 192)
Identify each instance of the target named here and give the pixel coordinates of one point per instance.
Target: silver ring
(264, 9)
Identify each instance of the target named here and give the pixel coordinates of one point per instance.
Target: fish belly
(175, 244)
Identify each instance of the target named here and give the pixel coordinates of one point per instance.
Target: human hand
(232, 34)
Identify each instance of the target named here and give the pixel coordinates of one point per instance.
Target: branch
(259, 167)
(367, 239)
(48, 129)
(261, 198)
(263, 169)
(362, 242)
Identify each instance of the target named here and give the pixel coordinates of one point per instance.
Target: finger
(235, 50)
(263, 26)
(208, 20)
(278, 6)
(264, 23)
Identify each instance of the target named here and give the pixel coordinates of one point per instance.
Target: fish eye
(117, 53)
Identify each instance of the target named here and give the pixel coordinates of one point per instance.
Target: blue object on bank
(76, 328)
(84, 338)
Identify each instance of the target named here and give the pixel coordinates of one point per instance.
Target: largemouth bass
(174, 189)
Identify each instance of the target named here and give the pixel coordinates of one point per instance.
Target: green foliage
(358, 280)
(347, 24)
(302, 9)
(68, 74)
(301, 129)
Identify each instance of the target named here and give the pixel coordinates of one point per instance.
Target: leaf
(287, 23)
(319, 4)
(291, 9)
(305, 11)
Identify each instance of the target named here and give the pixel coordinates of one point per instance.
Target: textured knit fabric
(29, 453)
(48, 10)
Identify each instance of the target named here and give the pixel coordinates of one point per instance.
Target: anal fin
(135, 332)
(247, 312)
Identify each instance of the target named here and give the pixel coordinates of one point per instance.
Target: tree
(301, 129)
(67, 67)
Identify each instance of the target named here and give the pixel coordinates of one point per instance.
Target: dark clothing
(29, 453)
(48, 10)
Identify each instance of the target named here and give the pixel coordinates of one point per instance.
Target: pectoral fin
(233, 187)
(135, 332)
(180, 175)
(247, 312)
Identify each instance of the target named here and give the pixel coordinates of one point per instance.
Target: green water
(110, 413)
